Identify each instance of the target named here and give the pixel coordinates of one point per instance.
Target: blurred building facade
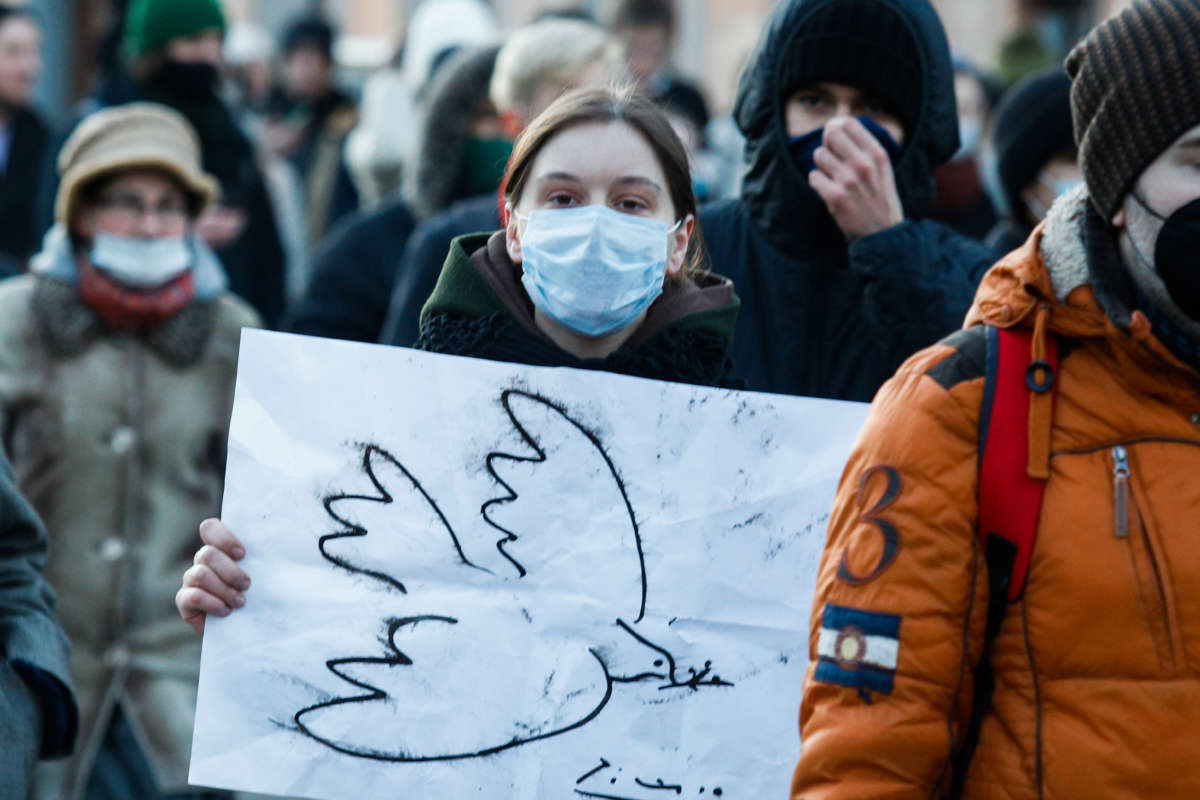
(713, 40)
(716, 36)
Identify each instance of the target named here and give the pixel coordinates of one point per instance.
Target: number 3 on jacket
(888, 532)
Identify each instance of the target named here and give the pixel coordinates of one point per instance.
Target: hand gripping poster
(476, 579)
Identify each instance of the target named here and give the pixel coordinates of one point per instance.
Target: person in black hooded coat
(825, 314)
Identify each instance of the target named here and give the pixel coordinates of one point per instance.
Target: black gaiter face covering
(187, 81)
(1177, 255)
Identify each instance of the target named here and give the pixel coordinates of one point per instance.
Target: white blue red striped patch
(858, 648)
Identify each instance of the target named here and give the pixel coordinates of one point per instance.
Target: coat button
(1194, 419)
(123, 439)
(111, 549)
(117, 656)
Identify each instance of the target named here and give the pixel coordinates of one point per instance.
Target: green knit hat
(150, 24)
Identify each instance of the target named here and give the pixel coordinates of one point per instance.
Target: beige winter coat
(119, 443)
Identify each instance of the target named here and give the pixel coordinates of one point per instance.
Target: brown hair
(614, 104)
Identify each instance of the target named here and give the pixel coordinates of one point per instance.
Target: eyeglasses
(130, 208)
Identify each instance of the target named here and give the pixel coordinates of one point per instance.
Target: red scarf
(125, 309)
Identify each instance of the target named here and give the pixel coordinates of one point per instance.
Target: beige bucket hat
(127, 137)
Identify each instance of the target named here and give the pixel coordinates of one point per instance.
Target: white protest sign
(481, 579)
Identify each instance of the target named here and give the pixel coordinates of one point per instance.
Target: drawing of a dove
(479, 674)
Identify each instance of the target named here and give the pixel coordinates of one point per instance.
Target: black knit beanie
(1135, 89)
(861, 43)
(1031, 125)
(308, 32)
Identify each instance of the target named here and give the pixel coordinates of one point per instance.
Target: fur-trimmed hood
(453, 104)
(1063, 249)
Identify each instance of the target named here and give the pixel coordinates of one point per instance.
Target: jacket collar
(69, 326)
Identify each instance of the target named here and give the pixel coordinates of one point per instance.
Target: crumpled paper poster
(476, 579)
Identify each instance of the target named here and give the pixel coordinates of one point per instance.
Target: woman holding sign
(596, 268)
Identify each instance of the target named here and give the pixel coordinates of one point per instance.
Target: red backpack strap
(1010, 500)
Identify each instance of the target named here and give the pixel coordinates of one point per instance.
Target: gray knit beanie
(1135, 89)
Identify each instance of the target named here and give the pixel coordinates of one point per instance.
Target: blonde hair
(549, 52)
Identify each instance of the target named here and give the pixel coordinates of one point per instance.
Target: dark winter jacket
(38, 715)
(19, 236)
(822, 318)
(254, 261)
(422, 263)
(353, 274)
(329, 191)
(479, 309)
(1007, 235)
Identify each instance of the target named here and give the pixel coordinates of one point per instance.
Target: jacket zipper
(1120, 492)
(1145, 563)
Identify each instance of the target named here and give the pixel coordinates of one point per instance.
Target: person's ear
(677, 249)
(512, 236)
(512, 122)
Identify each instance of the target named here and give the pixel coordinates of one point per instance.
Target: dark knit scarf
(1182, 346)
(696, 356)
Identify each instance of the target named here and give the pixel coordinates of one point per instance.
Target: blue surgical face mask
(1066, 185)
(1060, 187)
(804, 147)
(141, 263)
(591, 268)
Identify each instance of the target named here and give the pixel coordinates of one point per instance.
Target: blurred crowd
(308, 166)
(839, 219)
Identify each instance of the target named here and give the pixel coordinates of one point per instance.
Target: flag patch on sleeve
(858, 648)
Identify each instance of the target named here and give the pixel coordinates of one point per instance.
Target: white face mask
(141, 263)
(591, 268)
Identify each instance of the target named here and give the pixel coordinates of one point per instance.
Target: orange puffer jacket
(1097, 664)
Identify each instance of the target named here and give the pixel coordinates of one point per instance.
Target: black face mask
(187, 80)
(1177, 255)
